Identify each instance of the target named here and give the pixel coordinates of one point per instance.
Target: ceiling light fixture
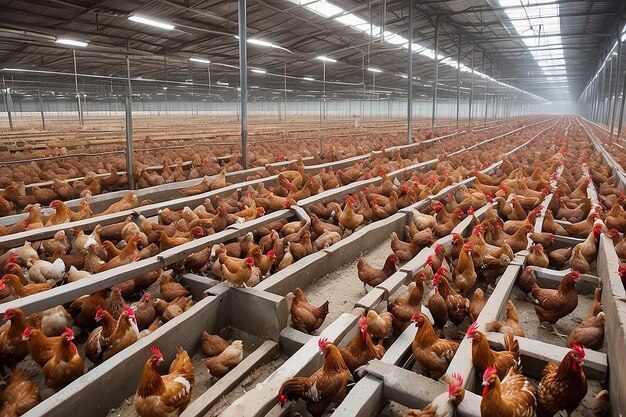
(71, 42)
(325, 58)
(259, 71)
(308, 79)
(203, 61)
(374, 69)
(151, 22)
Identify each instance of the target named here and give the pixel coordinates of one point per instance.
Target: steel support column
(80, 110)
(458, 84)
(471, 98)
(607, 103)
(621, 110)
(8, 104)
(436, 78)
(409, 102)
(487, 88)
(129, 131)
(617, 77)
(243, 79)
(43, 120)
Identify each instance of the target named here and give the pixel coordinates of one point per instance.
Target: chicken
(589, 333)
(43, 271)
(20, 395)
(551, 305)
(560, 257)
(477, 303)
(616, 218)
(325, 387)
(219, 365)
(125, 334)
(145, 312)
(510, 326)
(129, 201)
(85, 308)
(348, 219)
(212, 344)
(546, 239)
(431, 352)
(551, 226)
(66, 363)
(361, 349)
(40, 347)
(438, 309)
(563, 386)
(538, 257)
(444, 405)
(14, 285)
(403, 309)
(116, 303)
(170, 289)
(464, 273)
(578, 261)
(379, 325)
(58, 243)
(127, 255)
(372, 276)
(198, 262)
(12, 348)
(242, 270)
(513, 397)
(97, 342)
(199, 188)
(62, 213)
(457, 304)
(526, 280)
(167, 395)
(304, 316)
(483, 357)
(55, 320)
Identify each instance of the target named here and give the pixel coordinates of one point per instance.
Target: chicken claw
(556, 332)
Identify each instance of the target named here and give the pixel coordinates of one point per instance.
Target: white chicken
(55, 320)
(43, 271)
(93, 238)
(132, 229)
(28, 255)
(74, 274)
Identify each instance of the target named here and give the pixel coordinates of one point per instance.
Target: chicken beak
(485, 383)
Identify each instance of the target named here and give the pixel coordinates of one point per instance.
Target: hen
(379, 325)
(483, 357)
(12, 348)
(563, 386)
(212, 344)
(372, 276)
(510, 326)
(514, 396)
(589, 333)
(403, 309)
(219, 365)
(361, 349)
(304, 316)
(431, 352)
(444, 405)
(325, 387)
(20, 395)
(167, 395)
(551, 305)
(66, 363)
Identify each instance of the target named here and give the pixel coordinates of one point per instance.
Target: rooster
(563, 386)
(432, 353)
(325, 387)
(361, 349)
(167, 395)
(372, 276)
(514, 396)
(483, 357)
(551, 305)
(66, 363)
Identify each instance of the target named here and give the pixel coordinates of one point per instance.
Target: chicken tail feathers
(183, 365)
(299, 387)
(323, 309)
(494, 326)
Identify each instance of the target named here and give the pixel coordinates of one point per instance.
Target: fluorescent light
(71, 42)
(259, 71)
(151, 22)
(165, 88)
(222, 83)
(325, 58)
(261, 43)
(203, 61)
(308, 79)
(374, 70)
(404, 76)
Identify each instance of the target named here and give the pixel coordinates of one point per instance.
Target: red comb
(155, 351)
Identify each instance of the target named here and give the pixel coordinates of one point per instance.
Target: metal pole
(80, 110)
(373, 92)
(436, 80)
(471, 98)
(8, 103)
(323, 102)
(409, 104)
(619, 63)
(601, 97)
(607, 105)
(43, 120)
(458, 84)
(285, 88)
(243, 79)
(129, 131)
(486, 88)
(208, 70)
(165, 73)
(621, 110)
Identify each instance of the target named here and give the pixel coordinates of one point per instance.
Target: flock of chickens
(106, 322)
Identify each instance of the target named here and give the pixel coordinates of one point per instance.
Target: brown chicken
(20, 395)
(66, 363)
(325, 387)
(457, 304)
(97, 342)
(212, 344)
(304, 316)
(563, 386)
(407, 251)
(125, 334)
(403, 309)
(510, 326)
(438, 309)
(170, 289)
(560, 257)
(589, 333)
(514, 396)
(14, 286)
(431, 352)
(372, 276)
(40, 346)
(361, 349)
(127, 255)
(379, 325)
(12, 348)
(464, 273)
(483, 356)
(477, 303)
(538, 257)
(551, 305)
(220, 365)
(167, 395)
